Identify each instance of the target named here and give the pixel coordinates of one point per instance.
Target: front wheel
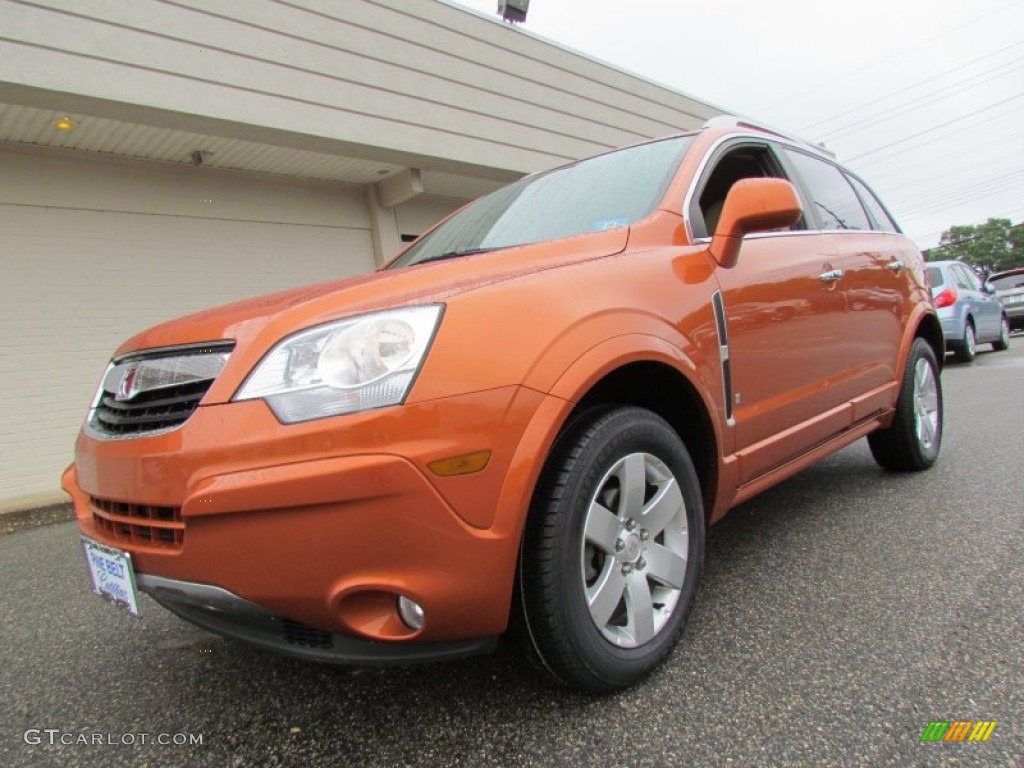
(1003, 343)
(912, 442)
(613, 550)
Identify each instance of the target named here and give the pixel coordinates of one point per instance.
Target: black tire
(1003, 343)
(968, 348)
(913, 441)
(559, 562)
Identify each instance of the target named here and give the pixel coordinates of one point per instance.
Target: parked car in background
(968, 308)
(525, 419)
(1009, 287)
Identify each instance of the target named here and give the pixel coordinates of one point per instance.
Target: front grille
(152, 411)
(299, 634)
(144, 524)
(154, 391)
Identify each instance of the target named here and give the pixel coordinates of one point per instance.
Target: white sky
(858, 75)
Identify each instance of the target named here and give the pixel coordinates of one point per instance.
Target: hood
(259, 323)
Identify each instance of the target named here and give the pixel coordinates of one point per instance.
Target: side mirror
(988, 288)
(752, 205)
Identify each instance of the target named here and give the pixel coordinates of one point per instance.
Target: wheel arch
(930, 329)
(659, 386)
(608, 375)
(648, 372)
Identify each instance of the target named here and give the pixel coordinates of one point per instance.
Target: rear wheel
(968, 345)
(912, 442)
(1003, 343)
(612, 552)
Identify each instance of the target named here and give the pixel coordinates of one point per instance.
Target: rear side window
(965, 278)
(880, 217)
(836, 203)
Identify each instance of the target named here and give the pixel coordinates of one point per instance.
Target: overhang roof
(36, 126)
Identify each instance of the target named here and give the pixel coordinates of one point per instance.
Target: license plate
(112, 575)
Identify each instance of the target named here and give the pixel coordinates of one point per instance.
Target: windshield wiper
(455, 254)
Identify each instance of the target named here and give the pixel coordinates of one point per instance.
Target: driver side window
(744, 162)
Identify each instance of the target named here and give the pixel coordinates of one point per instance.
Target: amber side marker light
(65, 124)
(466, 464)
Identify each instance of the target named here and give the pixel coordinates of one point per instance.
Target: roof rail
(732, 121)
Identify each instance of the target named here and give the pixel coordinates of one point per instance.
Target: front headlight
(364, 362)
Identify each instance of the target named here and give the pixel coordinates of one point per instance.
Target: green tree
(996, 245)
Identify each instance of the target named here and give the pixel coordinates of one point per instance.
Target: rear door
(872, 258)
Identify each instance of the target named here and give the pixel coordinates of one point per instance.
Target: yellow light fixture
(65, 123)
(466, 464)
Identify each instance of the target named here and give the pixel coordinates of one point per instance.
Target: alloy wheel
(926, 405)
(635, 549)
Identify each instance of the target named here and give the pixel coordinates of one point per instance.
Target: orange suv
(526, 419)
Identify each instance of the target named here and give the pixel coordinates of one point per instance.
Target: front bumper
(220, 611)
(326, 523)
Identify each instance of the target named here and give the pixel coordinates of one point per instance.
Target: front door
(786, 320)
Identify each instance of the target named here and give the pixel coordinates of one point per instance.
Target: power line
(945, 208)
(936, 128)
(910, 106)
(832, 81)
(929, 186)
(952, 202)
(1004, 214)
(910, 87)
(968, 202)
(968, 195)
(946, 170)
(977, 184)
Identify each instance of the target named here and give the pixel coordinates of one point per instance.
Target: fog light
(411, 613)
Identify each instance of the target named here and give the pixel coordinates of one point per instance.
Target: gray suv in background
(969, 311)
(1009, 287)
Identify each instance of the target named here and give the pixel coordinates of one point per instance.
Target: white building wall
(412, 79)
(96, 249)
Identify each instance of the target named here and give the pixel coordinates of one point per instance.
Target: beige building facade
(222, 149)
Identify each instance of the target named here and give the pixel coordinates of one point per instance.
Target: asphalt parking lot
(840, 613)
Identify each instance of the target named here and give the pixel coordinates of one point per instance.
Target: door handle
(831, 276)
(895, 266)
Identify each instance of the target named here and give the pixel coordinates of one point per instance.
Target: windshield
(935, 278)
(604, 192)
